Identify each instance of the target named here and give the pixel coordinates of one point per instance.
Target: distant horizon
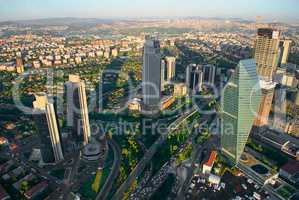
(146, 18)
(274, 10)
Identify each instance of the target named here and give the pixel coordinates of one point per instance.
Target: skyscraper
(267, 51)
(167, 70)
(194, 78)
(240, 101)
(47, 125)
(151, 75)
(209, 72)
(19, 65)
(170, 68)
(267, 88)
(284, 49)
(163, 74)
(77, 111)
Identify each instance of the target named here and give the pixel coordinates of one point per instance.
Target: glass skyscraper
(240, 102)
(151, 75)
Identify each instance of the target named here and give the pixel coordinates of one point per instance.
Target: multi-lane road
(149, 154)
(114, 171)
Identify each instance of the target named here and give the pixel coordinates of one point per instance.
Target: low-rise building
(207, 166)
(3, 194)
(180, 90)
(36, 190)
(135, 105)
(167, 102)
(290, 171)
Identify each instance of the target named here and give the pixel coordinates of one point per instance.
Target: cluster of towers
(47, 123)
(247, 98)
(198, 75)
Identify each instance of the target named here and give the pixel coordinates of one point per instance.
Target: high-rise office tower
(284, 49)
(163, 74)
(209, 72)
(47, 125)
(77, 110)
(167, 70)
(19, 65)
(170, 68)
(267, 88)
(267, 51)
(240, 102)
(297, 99)
(194, 78)
(151, 75)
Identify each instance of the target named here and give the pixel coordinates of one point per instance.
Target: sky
(274, 10)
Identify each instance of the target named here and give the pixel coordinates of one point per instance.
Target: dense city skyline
(149, 100)
(36, 9)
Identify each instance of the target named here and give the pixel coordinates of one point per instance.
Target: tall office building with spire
(77, 109)
(151, 75)
(47, 125)
(240, 102)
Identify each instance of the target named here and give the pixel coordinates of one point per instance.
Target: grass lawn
(286, 191)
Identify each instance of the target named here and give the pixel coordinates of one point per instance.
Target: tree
(24, 187)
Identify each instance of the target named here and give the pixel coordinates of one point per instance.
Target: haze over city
(273, 10)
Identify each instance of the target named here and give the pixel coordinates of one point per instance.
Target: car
(223, 185)
(244, 186)
(250, 181)
(192, 186)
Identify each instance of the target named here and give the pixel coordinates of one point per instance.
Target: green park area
(269, 153)
(286, 191)
(86, 189)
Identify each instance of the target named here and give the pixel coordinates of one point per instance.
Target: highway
(114, 171)
(149, 154)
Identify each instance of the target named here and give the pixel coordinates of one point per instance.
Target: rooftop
(212, 159)
(291, 167)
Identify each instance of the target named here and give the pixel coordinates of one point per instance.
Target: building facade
(266, 104)
(19, 65)
(240, 102)
(284, 49)
(151, 75)
(47, 125)
(77, 108)
(194, 78)
(267, 51)
(170, 68)
(209, 72)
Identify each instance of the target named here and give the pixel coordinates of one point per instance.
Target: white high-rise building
(77, 109)
(45, 118)
(151, 75)
(209, 72)
(170, 67)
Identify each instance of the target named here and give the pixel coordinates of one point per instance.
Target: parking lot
(231, 187)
